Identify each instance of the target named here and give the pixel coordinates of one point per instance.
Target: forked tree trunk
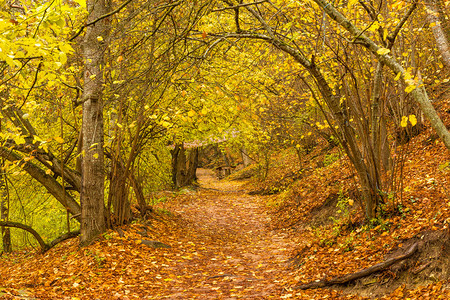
(184, 168)
(92, 190)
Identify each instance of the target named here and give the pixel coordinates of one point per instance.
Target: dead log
(360, 274)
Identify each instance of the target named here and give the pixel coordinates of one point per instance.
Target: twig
(239, 5)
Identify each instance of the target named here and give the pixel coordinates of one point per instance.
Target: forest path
(221, 247)
(236, 255)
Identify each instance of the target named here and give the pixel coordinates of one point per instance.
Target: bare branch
(391, 37)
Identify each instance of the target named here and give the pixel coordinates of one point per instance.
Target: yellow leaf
(374, 26)
(95, 155)
(351, 202)
(404, 121)
(82, 3)
(62, 57)
(413, 120)
(351, 3)
(407, 75)
(410, 88)
(398, 76)
(100, 38)
(383, 51)
(59, 139)
(48, 172)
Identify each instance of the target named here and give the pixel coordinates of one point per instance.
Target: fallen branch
(363, 273)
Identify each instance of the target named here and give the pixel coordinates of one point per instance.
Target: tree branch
(239, 5)
(391, 37)
(99, 19)
(42, 244)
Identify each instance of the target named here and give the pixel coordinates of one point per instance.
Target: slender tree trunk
(246, 160)
(4, 213)
(192, 165)
(92, 190)
(118, 193)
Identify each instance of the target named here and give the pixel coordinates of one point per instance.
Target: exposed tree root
(363, 273)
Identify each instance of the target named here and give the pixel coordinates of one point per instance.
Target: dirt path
(237, 255)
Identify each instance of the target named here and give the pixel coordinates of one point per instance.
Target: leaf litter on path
(221, 248)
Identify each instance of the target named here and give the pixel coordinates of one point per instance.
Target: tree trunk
(92, 189)
(191, 166)
(118, 194)
(139, 193)
(379, 136)
(438, 31)
(246, 160)
(4, 214)
(184, 169)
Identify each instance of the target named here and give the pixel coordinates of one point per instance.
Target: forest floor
(219, 242)
(221, 247)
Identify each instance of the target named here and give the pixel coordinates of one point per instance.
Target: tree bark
(184, 168)
(92, 186)
(246, 160)
(438, 31)
(4, 210)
